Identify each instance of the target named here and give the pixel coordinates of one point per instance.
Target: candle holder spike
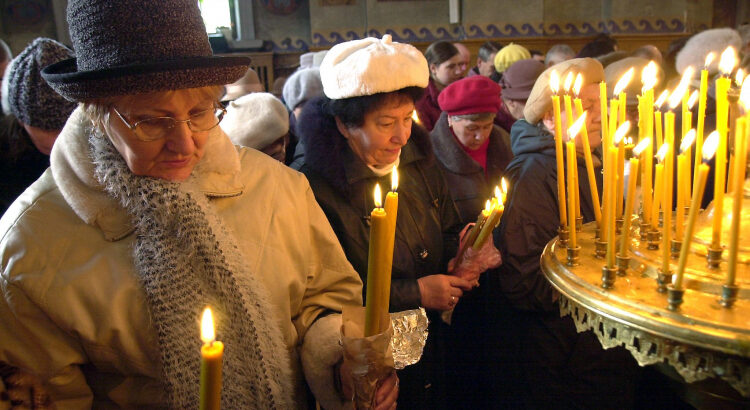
(623, 263)
(600, 249)
(674, 297)
(618, 223)
(663, 279)
(645, 228)
(654, 239)
(713, 257)
(608, 277)
(728, 295)
(579, 223)
(675, 247)
(563, 234)
(573, 255)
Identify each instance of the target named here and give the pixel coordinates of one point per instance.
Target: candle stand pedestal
(653, 239)
(573, 255)
(600, 248)
(714, 258)
(623, 263)
(645, 228)
(662, 280)
(675, 247)
(674, 297)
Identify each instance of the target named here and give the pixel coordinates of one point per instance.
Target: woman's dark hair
(440, 51)
(600, 45)
(352, 111)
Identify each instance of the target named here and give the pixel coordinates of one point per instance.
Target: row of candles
(657, 187)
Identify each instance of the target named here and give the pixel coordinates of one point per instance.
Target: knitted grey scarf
(186, 259)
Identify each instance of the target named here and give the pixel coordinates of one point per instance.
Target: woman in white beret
(354, 137)
(147, 215)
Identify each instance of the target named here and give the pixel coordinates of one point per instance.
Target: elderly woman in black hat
(149, 214)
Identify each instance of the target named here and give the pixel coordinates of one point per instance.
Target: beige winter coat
(72, 311)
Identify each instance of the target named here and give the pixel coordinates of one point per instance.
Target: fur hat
(249, 83)
(614, 71)
(509, 55)
(519, 78)
(697, 48)
(472, 95)
(255, 120)
(540, 100)
(138, 46)
(27, 96)
(370, 66)
(302, 86)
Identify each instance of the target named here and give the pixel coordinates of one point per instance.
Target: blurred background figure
(260, 121)
(537, 55)
(5, 57)
(649, 52)
(249, 83)
(301, 87)
(612, 56)
(615, 71)
(465, 57)
(486, 61)
(517, 83)
(557, 54)
(34, 116)
(277, 88)
(601, 44)
(509, 55)
(444, 62)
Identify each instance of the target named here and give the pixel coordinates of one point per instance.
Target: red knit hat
(471, 95)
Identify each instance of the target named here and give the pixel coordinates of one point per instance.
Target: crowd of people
(142, 183)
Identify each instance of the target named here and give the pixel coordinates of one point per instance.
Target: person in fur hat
(147, 215)
(355, 136)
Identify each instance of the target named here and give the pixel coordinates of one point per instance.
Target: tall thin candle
(701, 120)
(391, 214)
(683, 180)
(666, 204)
(611, 151)
(649, 79)
(555, 87)
(658, 183)
(740, 147)
(375, 306)
(589, 165)
(603, 115)
(631, 196)
(572, 182)
(726, 65)
(212, 353)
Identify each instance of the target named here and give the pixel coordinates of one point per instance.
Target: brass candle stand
(702, 329)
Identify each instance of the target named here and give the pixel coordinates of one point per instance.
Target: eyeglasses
(156, 128)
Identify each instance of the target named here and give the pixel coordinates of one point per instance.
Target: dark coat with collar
(467, 182)
(571, 368)
(427, 228)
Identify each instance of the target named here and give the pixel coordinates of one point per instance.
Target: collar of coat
(217, 175)
(329, 155)
(453, 157)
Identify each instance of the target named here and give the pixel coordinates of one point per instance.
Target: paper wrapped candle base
(373, 358)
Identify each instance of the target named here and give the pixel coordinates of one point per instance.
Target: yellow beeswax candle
(699, 186)
(610, 188)
(658, 184)
(377, 258)
(212, 353)
(572, 180)
(554, 86)
(726, 65)
(620, 176)
(738, 183)
(701, 120)
(391, 212)
(603, 114)
(683, 180)
(619, 92)
(494, 219)
(666, 203)
(649, 79)
(589, 165)
(566, 98)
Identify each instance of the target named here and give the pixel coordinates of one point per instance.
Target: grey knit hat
(27, 96)
(138, 46)
(302, 86)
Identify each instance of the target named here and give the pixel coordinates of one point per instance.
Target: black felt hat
(138, 46)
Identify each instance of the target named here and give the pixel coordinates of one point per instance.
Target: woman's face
(448, 71)
(471, 134)
(379, 140)
(172, 157)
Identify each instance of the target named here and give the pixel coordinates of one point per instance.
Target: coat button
(424, 254)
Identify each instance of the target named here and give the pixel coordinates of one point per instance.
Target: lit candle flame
(745, 95)
(662, 97)
(498, 193)
(378, 197)
(709, 147)
(727, 61)
(641, 146)
(709, 59)
(682, 88)
(504, 190)
(662, 153)
(693, 99)
(415, 117)
(621, 132)
(394, 180)
(687, 140)
(578, 84)
(576, 127)
(554, 82)
(487, 207)
(207, 326)
(568, 81)
(624, 81)
(740, 77)
(649, 76)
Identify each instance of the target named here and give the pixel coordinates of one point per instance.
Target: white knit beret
(370, 66)
(697, 48)
(255, 120)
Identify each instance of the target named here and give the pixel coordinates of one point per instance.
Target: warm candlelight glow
(568, 82)
(709, 59)
(745, 95)
(676, 98)
(394, 180)
(709, 147)
(378, 197)
(207, 326)
(663, 152)
(504, 189)
(415, 117)
(641, 146)
(624, 81)
(728, 61)
(576, 127)
(621, 132)
(578, 84)
(739, 77)
(662, 97)
(687, 140)
(649, 76)
(693, 99)
(554, 82)
(498, 194)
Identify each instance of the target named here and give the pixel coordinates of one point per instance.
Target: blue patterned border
(475, 31)
(289, 45)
